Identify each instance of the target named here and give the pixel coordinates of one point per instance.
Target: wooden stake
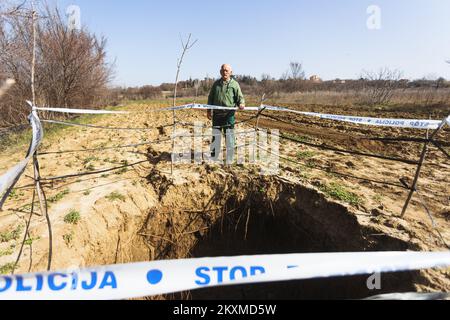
(258, 116)
(44, 209)
(419, 167)
(185, 47)
(33, 59)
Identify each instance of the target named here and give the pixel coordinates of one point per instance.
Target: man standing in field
(225, 92)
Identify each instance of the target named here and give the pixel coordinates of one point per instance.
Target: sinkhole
(253, 215)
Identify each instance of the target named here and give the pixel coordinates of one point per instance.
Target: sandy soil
(114, 208)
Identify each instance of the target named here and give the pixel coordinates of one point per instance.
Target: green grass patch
(15, 194)
(296, 137)
(73, 217)
(68, 238)
(13, 235)
(90, 159)
(90, 167)
(30, 241)
(7, 268)
(7, 252)
(19, 140)
(310, 164)
(59, 196)
(339, 192)
(16, 140)
(121, 171)
(305, 154)
(377, 198)
(115, 196)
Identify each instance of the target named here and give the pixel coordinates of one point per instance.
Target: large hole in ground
(251, 216)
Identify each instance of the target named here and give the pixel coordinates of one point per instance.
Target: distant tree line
(373, 87)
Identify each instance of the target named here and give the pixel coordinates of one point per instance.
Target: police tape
(211, 107)
(96, 127)
(384, 122)
(10, 178)
(162, 277)
(92, 111)
(81, 111)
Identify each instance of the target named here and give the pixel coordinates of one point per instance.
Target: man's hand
(242, 107)
(208, 114)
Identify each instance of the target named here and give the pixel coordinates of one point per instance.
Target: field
(321, 200)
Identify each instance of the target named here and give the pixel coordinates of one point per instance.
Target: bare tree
(380, 86)
(293, 79)
(73, 64)
(15, 63)
(70, 65)
(268, 85)
(186, 46)
(6, 85)
(266, 77)
(9, 9)
(197, 84)
(296, 71)
(285, 76)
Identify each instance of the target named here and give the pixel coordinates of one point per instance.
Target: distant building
(339, 81)
(315, 79)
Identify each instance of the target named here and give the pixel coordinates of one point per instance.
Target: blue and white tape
(384, 122)
(161, 277)
(91, 111)
(81, 111)
(10, 178)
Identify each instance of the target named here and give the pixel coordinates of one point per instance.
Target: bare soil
(145, 213)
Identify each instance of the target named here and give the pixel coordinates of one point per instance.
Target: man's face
(226, 72)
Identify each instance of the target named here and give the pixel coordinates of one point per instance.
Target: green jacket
(226, 95)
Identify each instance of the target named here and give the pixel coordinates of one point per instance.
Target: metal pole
(33, 59)
(39, 191)
(419, 167)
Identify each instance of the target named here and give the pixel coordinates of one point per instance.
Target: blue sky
(330, 37)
